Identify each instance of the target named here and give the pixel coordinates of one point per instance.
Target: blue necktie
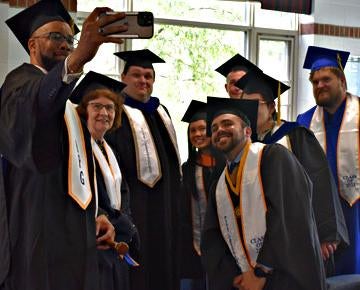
(232, 166)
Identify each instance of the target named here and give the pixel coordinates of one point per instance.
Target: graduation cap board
(195, 112)
(143, 58)
(256, 81)
(237, 62)
(93, 81)
(247, 110)
(319, 57)
(30, 19)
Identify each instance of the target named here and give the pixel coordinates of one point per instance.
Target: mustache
(222, 134)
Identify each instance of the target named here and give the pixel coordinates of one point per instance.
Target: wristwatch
(259, 272)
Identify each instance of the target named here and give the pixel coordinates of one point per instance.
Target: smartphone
(140, 25)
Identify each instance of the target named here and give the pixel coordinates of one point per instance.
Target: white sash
(347, 147)
(285, 140)
(171, 130)
(147, 160)
(111, 173)
(198, 208)
(252, 208)
(78, 176)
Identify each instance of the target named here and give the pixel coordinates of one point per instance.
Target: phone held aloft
(140, 25)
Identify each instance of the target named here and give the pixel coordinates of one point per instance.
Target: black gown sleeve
(329, 216)
(291, 245)
(216, 257)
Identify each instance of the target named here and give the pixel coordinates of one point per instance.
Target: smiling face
(139, 82)
(197, 134)
(100, 116)
(229, 134)
(233, 91)
(47, 52)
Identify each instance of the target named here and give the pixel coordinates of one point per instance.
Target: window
(274, 57)
(194, 38)
(352, 71)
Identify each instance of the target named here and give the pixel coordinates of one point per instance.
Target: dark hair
(127, 67)
(106, 93)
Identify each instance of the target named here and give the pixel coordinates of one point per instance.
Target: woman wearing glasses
(100, 107)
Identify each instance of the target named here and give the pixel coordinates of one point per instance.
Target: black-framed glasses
(110, 108)
(59, 38)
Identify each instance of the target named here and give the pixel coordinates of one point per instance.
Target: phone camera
(145, 19)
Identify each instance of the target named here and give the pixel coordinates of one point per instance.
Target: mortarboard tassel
(278, 119)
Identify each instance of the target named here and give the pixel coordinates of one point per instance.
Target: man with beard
(259, 230)
(335, 123)
(147, 147)
(301, 141)
(52, 234)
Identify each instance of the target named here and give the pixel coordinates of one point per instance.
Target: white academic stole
(78, 175)
(347, 150)
(285, 140)
(147, 159)
(252, 207)
(198, 208)
(110, 172)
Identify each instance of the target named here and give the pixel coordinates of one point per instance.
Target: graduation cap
(256, 81)
(93, 81)
(143, 58)
(195, 112)
(319, 57)
(237, 62)
(27, 21)
(247, 110)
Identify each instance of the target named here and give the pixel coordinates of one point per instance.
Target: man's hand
(93, 34)
(327, 249)
(105, 232)
(248, 281)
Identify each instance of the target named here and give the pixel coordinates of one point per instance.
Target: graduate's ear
(31, 44)
(247, 132)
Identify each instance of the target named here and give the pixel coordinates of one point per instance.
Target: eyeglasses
(110, 108)
(59, 38)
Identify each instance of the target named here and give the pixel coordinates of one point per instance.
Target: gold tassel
(278, 119)
(338, 59)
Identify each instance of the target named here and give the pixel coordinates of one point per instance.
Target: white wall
(12, 54)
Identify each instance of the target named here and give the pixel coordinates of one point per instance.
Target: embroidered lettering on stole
(111, 173)
(253, 212)
(78, 176)
(198, 208)
(147, 160)
(347, 149)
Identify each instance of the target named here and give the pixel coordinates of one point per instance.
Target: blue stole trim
(149, 107)
(281, 132)
(305, 118)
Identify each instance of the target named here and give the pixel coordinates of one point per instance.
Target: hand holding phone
(140, 25)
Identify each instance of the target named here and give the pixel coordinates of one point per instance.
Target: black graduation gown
(291, 245)
(191, 266)
(325, 199)
(52, 240)
(114, 272)
(154, 210)
(329, 216)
